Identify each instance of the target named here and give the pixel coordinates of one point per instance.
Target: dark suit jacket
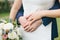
(46, 20)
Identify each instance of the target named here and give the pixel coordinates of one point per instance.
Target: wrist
(42, 13)
(45, 13)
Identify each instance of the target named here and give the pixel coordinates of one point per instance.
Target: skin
(28, 27)
(29, 22)
(59, 0)
(15, 8)
(44, 13)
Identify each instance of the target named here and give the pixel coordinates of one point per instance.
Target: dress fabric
(42, 32)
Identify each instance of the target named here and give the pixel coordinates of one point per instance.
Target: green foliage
(4, 6)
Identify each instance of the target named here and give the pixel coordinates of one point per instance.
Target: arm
(16, 6)
(43, 13)
(51, 13)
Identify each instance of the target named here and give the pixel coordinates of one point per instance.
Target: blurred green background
(5, 6)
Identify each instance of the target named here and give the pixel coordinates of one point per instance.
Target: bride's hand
(34, 26)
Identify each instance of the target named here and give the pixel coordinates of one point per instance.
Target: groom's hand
(34, 26)
(23, 21)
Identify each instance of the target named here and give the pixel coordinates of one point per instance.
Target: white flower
(17, 38)
(1, 25)
(18, 31)
(0, 32)
(1, 38)
(8, 26)
(12, 35)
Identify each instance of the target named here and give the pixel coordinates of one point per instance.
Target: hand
(34, 26)
(35, 16)
(23, 21)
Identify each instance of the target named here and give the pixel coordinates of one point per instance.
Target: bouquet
(9, 31)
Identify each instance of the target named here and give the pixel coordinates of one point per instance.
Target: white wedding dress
(42, 32)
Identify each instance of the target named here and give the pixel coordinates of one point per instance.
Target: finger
(29, 29)
(26, 28)
(27, 16)
(26, 25)
(32, 30)
(31, 22)
(30, 18)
